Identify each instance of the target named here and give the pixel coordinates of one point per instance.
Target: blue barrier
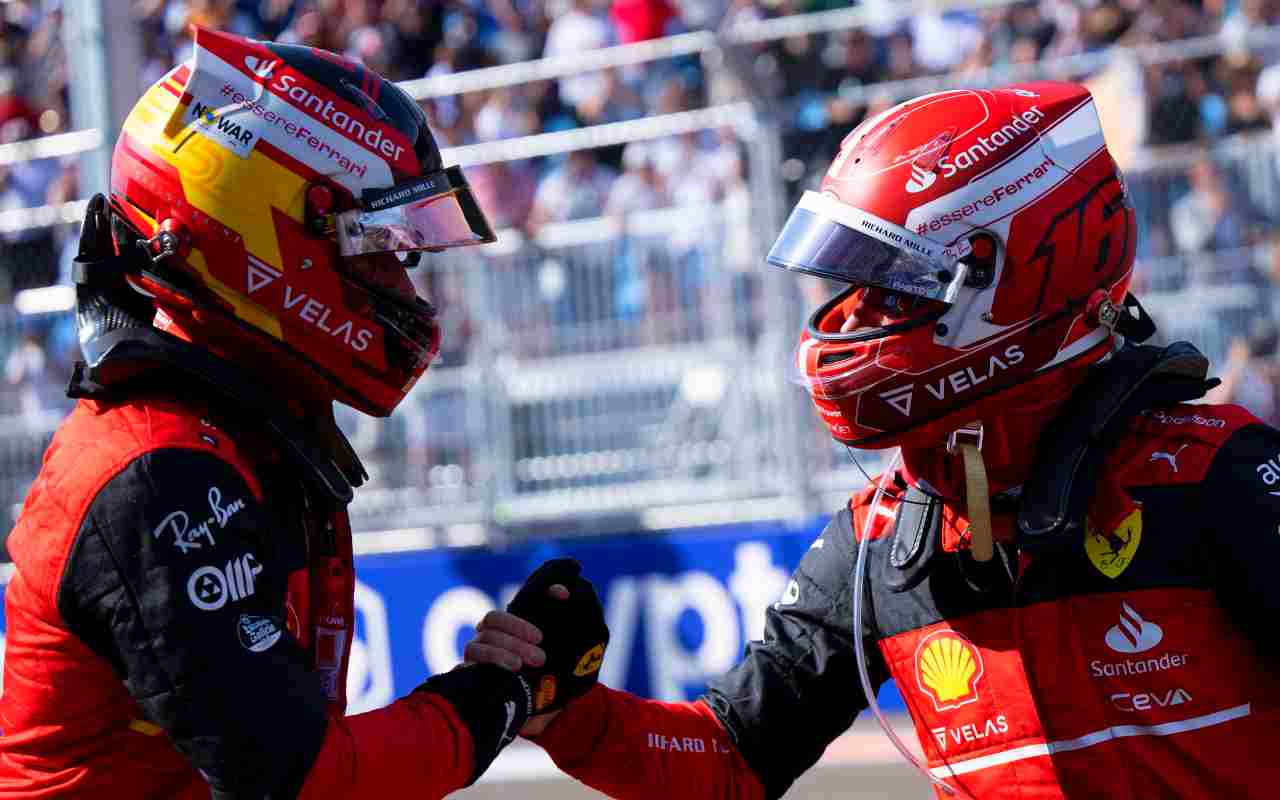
(680, 606)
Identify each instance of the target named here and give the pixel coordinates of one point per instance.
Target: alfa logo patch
(590, 661)
(1112, 553)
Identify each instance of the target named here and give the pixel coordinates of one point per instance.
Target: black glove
(493, 703)
(574, 633)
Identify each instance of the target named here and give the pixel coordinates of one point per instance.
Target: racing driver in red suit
(180, 621)
(1069, 573)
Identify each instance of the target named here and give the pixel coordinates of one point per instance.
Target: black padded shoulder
(120, 355)
(178, 578)
(1074, 446)
(917, 535)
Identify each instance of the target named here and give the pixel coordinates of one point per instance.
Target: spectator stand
(618, 361)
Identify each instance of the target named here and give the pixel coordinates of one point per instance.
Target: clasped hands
(553, 633)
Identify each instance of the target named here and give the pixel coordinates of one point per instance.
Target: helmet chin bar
(865, 334)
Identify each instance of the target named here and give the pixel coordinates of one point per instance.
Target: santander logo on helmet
(1013, 132)
(920, 179)
(1016, 188)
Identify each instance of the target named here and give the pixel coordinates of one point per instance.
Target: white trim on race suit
(1089, 740)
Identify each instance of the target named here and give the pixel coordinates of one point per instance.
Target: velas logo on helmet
(920, 179)
(900, 398)
(950, 383)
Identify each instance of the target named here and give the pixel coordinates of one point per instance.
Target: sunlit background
(613, 381)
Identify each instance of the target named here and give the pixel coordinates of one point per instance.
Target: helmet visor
(833, 240)
(433, 212)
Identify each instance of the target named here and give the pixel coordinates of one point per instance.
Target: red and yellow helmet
(282, 191)
(988, 242)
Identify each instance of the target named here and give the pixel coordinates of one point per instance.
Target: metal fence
(630, 373)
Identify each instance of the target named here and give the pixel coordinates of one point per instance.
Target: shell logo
(948, 668)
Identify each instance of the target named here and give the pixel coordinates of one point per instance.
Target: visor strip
(892, 234)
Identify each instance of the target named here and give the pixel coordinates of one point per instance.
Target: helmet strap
(968, 442)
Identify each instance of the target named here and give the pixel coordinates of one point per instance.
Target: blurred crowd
(815, 84)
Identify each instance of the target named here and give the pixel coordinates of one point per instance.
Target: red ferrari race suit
(181, 617)
(1136, 663)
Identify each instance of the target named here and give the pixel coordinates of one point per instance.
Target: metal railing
(630, 372)
(738, 33)
(611, 417)
(700, 42)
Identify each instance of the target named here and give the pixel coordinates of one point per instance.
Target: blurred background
(613, 381)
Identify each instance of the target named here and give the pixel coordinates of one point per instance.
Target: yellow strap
(978, 499)
(145, 728)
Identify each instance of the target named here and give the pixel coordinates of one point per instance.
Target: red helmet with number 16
(988, 241)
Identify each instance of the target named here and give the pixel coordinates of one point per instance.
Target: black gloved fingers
(574, 633)
(558, 570)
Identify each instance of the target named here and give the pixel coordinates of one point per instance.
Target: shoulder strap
(917, 532)
(1075, 445)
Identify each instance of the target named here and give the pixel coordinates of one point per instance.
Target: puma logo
(507, 733)
(1172, 458)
